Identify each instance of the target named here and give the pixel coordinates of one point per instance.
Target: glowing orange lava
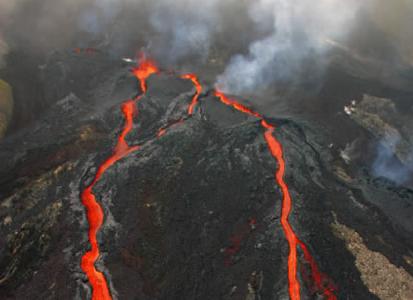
(145, 69)
(276, 151)
(191, 106)
(95, 215)
(238, 106)
(198, 87)
(94, 211)
(100, 290)
(321, 281)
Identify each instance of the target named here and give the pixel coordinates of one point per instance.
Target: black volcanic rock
(194, 214)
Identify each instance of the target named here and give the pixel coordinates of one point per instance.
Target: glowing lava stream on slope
(276, 151)
(198, 87)
(97, 280)
(146, 68)
(191, 106)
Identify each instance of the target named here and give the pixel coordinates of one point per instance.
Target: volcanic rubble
(194, 214)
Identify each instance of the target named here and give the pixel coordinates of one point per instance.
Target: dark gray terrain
(194, 214)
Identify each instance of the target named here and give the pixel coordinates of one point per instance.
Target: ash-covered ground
(197, 210)
(195, 213)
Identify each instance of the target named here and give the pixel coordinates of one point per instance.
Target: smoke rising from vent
(299, 30)
(386, 165)
(260, 42)
(284, 32)
(185, 29)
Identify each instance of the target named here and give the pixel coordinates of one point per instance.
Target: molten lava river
(95, 215)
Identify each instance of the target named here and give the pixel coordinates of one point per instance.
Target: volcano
(144, 184)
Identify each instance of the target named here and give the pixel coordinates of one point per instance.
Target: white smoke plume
(285, 32)
(300, 29)
(185, 27)
(386, 165)
(6, 9)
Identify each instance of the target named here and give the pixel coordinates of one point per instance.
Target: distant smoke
(300, 29)
(185, 28)
(285, 33)
(386, 165)
(173, 30)
(6, 9)
(4, 49)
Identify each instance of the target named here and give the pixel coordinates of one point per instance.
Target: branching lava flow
(97, 280)
(276, 150)
(146, 68)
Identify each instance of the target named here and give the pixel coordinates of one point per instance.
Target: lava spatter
(198, 87)
(276, 151)
(94, 211)
(145, 69)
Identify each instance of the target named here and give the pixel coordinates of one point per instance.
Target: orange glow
(144, 70)
(276, 151)
(94, 211)
(321, 281)
(95, 215)
(198, 87)
(163, 130)
(238, 106)
(191, 106)
(85, 50)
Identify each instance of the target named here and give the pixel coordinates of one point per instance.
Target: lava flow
(321, 281)
(145, 69)
(198, 87)
(276, 151)
(191, 106)
(95, 213)
(100, 290)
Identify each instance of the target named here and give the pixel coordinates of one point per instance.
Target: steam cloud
(6, 8)
(260, 41)
(179, 30)
(387, 166)
(300, 29)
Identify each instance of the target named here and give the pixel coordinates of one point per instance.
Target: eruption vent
(95, 213)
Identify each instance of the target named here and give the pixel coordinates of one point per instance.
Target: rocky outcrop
(387, 123)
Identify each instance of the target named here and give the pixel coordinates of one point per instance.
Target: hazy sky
(263, 36)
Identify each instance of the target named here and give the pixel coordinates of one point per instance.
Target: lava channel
(191, 106)
(276, 151)
(94, 211)
(198, 87)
